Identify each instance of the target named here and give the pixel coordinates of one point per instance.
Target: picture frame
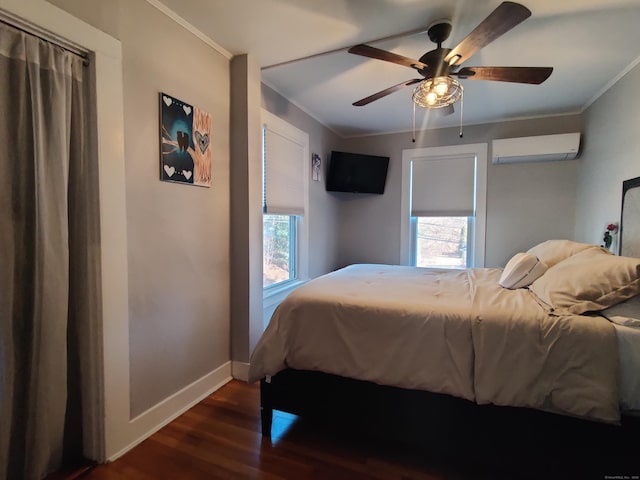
(185, 143)
(316, 167)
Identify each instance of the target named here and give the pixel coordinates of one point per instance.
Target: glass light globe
(441, 88)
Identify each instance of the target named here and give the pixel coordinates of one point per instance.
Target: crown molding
(186, 25)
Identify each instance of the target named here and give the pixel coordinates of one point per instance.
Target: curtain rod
(31, 29)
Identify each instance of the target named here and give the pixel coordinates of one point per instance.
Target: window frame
(476, 248)
(301, 241)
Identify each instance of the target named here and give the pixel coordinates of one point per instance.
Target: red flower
(611, 227)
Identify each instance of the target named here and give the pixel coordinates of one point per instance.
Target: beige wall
(178, 235)
(611, 155)
(526, 203)
(246, 210)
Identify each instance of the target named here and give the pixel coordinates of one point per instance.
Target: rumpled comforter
(456, 332)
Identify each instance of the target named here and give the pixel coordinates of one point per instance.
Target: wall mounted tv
(356, 173)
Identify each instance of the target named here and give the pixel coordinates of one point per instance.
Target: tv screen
(357, 173)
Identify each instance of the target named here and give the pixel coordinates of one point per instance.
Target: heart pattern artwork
(185, 137)
(203, 141)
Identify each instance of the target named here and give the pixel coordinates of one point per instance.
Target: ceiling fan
(440, 68)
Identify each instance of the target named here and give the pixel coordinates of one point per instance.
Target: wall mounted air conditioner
(542, 148)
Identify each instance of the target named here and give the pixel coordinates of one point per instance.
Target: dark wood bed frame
(450, 429)
(442, 424)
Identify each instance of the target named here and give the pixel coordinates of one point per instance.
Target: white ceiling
(590, 44)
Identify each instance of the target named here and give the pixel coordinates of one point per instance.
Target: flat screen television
(356, 173)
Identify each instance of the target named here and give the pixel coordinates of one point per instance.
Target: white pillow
(522, 270)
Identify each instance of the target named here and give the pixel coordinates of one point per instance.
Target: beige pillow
(554, 251)
(591, 280)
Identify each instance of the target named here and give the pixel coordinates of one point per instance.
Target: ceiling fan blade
(385, 92)
(533, 75)
(499, 22)
(372, 52)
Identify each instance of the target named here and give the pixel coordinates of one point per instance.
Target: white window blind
(443, 187)
(284, 174)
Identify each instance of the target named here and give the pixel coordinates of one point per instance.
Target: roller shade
(443, 187)
(284, 175)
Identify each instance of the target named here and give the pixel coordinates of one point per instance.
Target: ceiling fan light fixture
(441, 88)
(437, 92)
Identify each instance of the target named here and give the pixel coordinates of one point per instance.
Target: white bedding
(629, 353)
(454, 332)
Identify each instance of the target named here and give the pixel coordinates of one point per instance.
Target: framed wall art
(185, 137)
(316, 167)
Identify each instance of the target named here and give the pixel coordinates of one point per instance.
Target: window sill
(274, 295)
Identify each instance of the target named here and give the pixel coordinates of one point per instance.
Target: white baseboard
(149, 422)
(240, 370)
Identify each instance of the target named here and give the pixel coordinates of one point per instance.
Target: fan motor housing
(436, 65)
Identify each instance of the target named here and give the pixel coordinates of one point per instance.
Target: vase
(613, 248)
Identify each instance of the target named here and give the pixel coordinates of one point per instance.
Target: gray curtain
(49, 231)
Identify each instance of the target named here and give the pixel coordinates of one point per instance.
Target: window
(285, 170)
(441, 242)
(278, 249)
(443, 206)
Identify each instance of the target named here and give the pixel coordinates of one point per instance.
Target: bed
(407, 350)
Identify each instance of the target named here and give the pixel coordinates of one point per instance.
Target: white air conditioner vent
(541, 148)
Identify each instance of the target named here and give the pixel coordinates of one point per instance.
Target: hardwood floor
(220, 439)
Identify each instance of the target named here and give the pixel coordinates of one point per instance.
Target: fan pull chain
(461, 111)
(413, 138)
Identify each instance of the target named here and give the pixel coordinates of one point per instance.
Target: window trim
(301, 268)
(477, 150)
